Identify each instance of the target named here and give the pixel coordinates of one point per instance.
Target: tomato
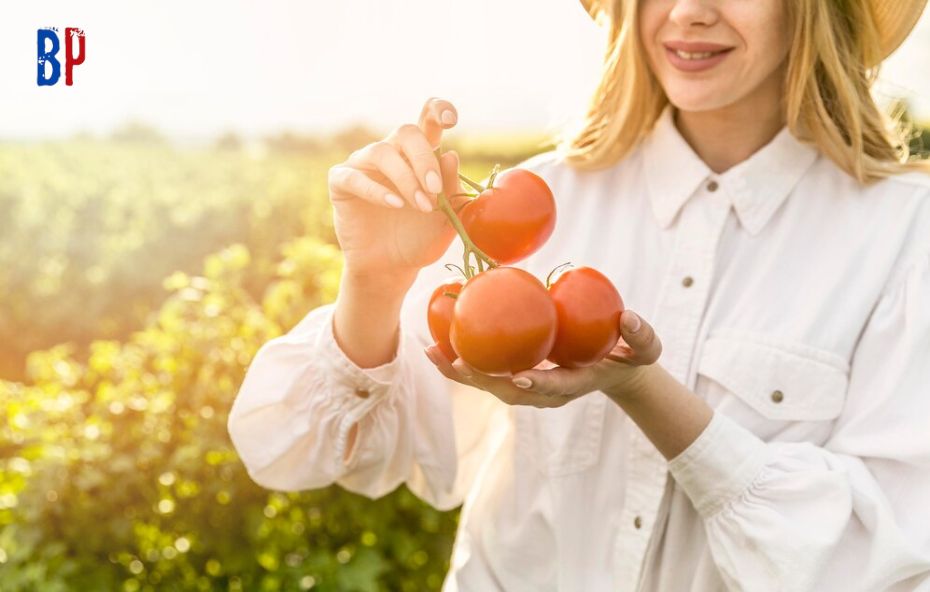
(504, 321)
(589, 308)
(439, 316)
(512, 219)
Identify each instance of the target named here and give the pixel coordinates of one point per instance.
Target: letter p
(71, 34)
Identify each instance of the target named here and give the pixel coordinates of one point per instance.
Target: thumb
(641, 337)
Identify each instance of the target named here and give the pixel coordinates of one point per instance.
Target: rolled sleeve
(719, 465)
(355, 389)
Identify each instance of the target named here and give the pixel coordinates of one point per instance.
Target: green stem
(497, 168)
(474, 185)
(449, 266)
(470, 247)
(554, 269)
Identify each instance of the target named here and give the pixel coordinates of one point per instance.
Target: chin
(698, 100)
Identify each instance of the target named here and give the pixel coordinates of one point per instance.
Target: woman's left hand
(554, 386)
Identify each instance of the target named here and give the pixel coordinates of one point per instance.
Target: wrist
(367, 317)
(632, 385)
(394, 284)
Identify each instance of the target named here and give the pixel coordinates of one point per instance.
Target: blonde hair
(827, 88)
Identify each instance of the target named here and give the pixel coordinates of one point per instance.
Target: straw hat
(894, 19)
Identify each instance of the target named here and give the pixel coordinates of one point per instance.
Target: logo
(48, 46)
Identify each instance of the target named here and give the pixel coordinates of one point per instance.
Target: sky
(199, 68)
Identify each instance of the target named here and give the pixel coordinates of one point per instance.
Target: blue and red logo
(48, 46)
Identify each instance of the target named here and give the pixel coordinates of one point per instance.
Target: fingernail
(433, 182)
(394, 201)
(461, 369)
(523, 382)
(429, 354)
(423, 201)
(447, 117)
(631, 321)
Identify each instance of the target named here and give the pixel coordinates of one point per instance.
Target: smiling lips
(695, 56)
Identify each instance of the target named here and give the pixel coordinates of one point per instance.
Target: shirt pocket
(764, 382)
(561, 440)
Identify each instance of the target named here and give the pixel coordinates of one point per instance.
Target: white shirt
(793, 300)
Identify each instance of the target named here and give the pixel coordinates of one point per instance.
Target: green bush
(118, 473)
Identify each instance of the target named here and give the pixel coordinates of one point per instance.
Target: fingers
(386, 159)
(436, 115)
(402, 169)
(504, 389)
(501, 387)
(644, 347)
(347, 182)
(557, 381)
(412, 144)
(445, 367)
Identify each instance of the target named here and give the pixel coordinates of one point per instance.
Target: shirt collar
(756, 186)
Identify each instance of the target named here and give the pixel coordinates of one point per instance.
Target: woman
(737, 183)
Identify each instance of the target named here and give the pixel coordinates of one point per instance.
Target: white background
(197, 68)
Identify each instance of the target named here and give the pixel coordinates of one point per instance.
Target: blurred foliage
(118, 473)
(920, 142)
(918, 133)
(116, 469)
(91, 226)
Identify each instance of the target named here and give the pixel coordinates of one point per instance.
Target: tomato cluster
(503, 320)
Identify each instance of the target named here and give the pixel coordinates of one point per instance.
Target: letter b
(45, 55)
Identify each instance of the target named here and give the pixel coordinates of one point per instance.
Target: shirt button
(778, 396)
(638, 522)
(712, 186)
(361, 392)
(687, 281)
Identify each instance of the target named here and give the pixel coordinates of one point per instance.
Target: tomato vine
(470, 248)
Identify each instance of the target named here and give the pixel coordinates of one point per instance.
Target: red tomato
(504, 321)
(589, 308)
(439, 316)
(513, 219)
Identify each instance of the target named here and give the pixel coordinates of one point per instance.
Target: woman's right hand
(379, 192)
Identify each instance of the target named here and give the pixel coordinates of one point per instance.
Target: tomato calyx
(554, 269)
(497, 169)
(454, 267)
(478, 186)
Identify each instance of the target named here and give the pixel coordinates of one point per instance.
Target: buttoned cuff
(719, 465)
(353, 389)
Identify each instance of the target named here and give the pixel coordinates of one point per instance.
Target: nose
(688, 13)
